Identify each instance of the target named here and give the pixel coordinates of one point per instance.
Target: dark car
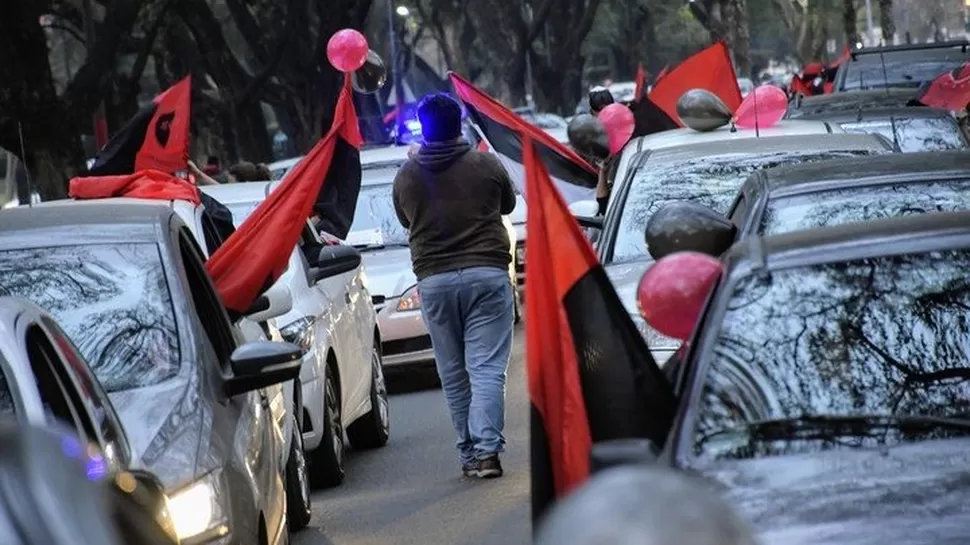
(825, 390)
(906, 66)
(126, 281)
(850, 101)
(911, 128)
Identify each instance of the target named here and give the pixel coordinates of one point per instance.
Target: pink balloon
(619, 123)
(764, 107)
(347, 50)
(673, 291)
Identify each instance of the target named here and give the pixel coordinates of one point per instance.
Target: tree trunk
(742, 39)
(850, 18)
(886, 21)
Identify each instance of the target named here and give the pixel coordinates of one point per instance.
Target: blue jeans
(469, 314)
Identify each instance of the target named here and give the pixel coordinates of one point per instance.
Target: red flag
(265, 240)
(145, 184)
(591, 375)
(641, 83)
(661, 75)
(710, 69)
(950, 90)
(156, 138)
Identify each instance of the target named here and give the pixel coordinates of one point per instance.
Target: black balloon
(587, 135)
(371, 77)
(688, 227)
(702, 110)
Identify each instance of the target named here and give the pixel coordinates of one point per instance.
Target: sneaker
(470, 469)
(489, 468)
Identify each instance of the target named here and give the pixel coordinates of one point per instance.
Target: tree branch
(141, 61)
(295, 13)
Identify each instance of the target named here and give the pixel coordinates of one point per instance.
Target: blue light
(71, 447)
(96, 468)
(414, 126)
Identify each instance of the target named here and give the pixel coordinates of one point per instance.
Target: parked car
(126, 280)
(899, 66)
(824, 390)
(333, 319)
(913, 129)
(848, 102)
(708, 173)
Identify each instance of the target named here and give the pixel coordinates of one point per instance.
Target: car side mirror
(585, 209)
(274, 302)
(334, 260)
(259, 364)
(688, 227)
(618, 452)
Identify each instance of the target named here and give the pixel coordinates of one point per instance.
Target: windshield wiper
(829, 427)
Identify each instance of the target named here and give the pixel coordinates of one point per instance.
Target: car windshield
(840, 206)
(911, 72)
(375, 221)
(709, 181)
(886, 337)
(914, 133)
(113, 302)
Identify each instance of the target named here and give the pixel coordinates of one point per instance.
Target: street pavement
(412, 491)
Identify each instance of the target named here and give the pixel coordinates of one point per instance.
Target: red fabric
(144, 184)
(491, 108)
(813, 69)
(663, 73)
(710, 69)
(641, 83)
(950, 90)
(166, 145)
(482, 145)
(828, 87)
(559, 254)
(799, 86)
(259, 251)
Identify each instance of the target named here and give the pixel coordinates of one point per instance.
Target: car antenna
(23, 155)
(892, 118)
(757, 130)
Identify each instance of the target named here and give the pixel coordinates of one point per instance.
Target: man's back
(452, 199)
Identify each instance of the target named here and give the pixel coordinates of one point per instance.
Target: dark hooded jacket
(452, 198)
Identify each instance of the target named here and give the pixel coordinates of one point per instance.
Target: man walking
(452, 199)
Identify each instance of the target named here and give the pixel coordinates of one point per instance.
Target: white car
(333, 319)
(663, 168)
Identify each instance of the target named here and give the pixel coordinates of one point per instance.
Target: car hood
(914, 494)
(388, 271)
(167, 426)
(625, 278)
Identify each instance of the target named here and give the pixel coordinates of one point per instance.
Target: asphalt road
(412, 491)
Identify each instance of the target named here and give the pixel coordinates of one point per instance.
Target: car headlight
(300, 332)
(411, 300)
(196, 511)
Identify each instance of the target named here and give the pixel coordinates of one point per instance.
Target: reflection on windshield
(898, 73)
(882, 337)
(375, 212)
(6, 397)
(111, 300)
(710, 181)
(914, 134)
(828, 208)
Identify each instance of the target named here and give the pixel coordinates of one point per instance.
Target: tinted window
(901, 70)
(710, 181)
(914, 134)
(829, 208)
(111, 300)
(375, 221)
(885, 336)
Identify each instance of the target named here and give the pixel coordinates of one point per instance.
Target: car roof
(683, 136)
(871, 114)
(849, 101)
(238, 192)
(851, 241)
(909, 51)
(69, 222)
(858, 171)
(777, 144)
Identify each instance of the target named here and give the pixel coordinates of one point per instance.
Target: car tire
(297, 483)
(374, 428)
(327, 461)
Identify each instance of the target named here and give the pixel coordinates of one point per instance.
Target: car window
(56, 393)
(880, 337)
(901, 70)
(113, 302)
(710, 181)
(375, 221)
(840, 206)
(211, 314)
(914, 133)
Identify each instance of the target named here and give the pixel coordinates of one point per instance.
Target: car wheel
(327, 461)
(373, 429)
(297, 483)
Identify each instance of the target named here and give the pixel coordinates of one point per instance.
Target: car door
(247, 421)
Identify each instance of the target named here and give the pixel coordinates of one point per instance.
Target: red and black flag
(265, 240)
(641, 82)
(950, 90)
(504, 130)
(710, 69)
(591, 375)
(144, 184)
(156, 138)
(649, 118)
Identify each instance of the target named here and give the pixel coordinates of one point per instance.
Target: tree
(886, 20)
(850, 19)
